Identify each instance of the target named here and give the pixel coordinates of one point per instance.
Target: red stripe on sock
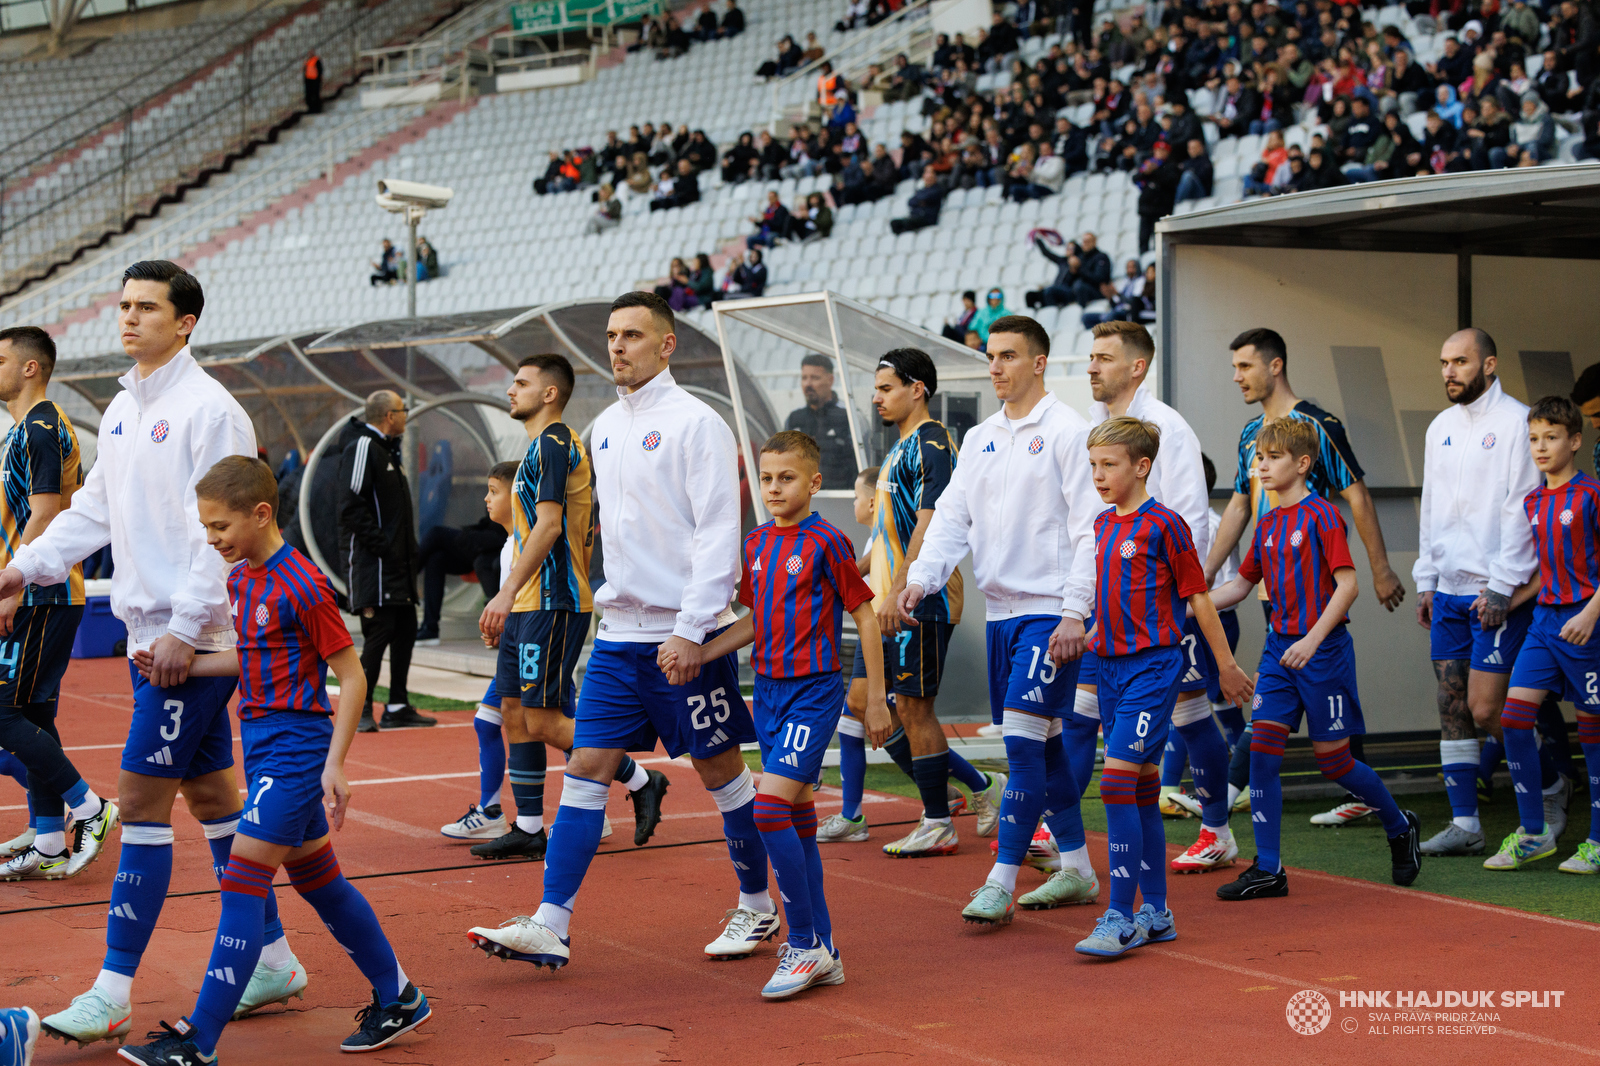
(772, 815)
(1268, 737)
(317, 870)
(1588, 729)
(1119, 786)
(1335, 764)
(1149, 790)
(805, 819)
(1519, 714)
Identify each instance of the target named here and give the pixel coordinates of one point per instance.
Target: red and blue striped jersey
(288, 625)
(1566, 532)
(1297, 549)
(798, 582)
(1146, 568)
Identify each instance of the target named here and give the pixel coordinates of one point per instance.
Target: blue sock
(350, 919)
(12, 767)
(46, 824)
(240, 937)
(574, 838)
(774, 818)
(736, 801)
(1522, 758)
(1266, 792)
(491, 761)
(932, 776)
(1024, 798)
(963, 771)
(1124, 835)
(1080, 733)
(1489, 756)
(852, 768)
(1458, 759)
(1360, 780)
(1232, 719)
(899, 750)
(626, 769)
(1208, 765)
(144, 870)
(805, 825)
(1063, 814)
(221, 849)
(527, 779)
(1153, 862)
(1174, 759)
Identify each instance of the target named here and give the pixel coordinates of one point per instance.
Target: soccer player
(540, 616)
(1261, 370)
(913, 475)
(667, 479)
(290, 633)
(800, 576)
(1308, 665)
(1023, 501)
(1146, 567)
(171, 423)
(1474, 561)
(1118, 363)
(41, 472)
(1558, 655)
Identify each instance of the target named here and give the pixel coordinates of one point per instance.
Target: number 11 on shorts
(1335, 712)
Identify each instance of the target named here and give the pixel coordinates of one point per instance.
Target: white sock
(88, 808)
(1233, 794)
(117, 987)
(556, 919)
(530, 823)
(1077, 861)
(935, 821)
(761, 904)
(640, 778)
(1224, 834)
(400, 972)
(1005, 874)
(50, 843)
(1471, 825)
(394, 706)
(277, 954)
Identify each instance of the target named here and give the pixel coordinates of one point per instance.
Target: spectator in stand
(705, 27)
(1194, 179)
(446, 550)
(923, 208)
(639, 179)
(1533, 135)
(607, 211)
(771, 225)
(1408, 82)
(552, 174)
(676, 40)
(915, 153)
(1439, 145)
(1080, 272)
(1551, 85)
(813, 50)
(789, 58)
(814, 223)
(678, 289)
(1576, 37)
(1000, 42)
(770, 158)
(993, 309)
(427, 260)
(905, 80)
(703, 280)
(1489, 137)
(858, 183)
(1127, 298)
(1268, 172)
(1590, 148)
(1034, 179)
(387, 268)
(1323, 172)
(746, 280)
(1236, 108)
(1521, 24)
(732, 21)
(855, 14)
(973, 341)
(1360, 133)
(825, 420)
(1379, 162)
(806, 154)
(1071, 144)
(829, 86)
(738, 164)
(700, 152)
(958, 328)
(685, 189)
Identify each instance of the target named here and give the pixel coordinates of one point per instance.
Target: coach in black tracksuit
(378, 539)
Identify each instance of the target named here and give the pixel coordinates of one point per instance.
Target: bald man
(378, 542)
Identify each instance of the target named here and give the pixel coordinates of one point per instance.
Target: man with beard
(825, 421)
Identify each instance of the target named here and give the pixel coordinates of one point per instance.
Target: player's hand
(335, 793)
(492, 622)
(1425, 610)
(907, 602)
(1068, 642)
(1236, 685)
(679, 659)
(11, 582)
(1492, 609)
(1579, 627)
(875, 720)
(144, 662)
(169, 661)
(889, 615)
(8, 613)
(1300, 652)
(1386, 584)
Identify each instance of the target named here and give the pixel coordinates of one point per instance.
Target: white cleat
(799, 970)
(33, 865)
(1343, 814)
(524, 939)
(92, 1017)
(268, 986)
(479, 823)
(742, 931)
(89, 837)
(986, 805)
(1555, 807)
(837, 829)
(17, 844)
(1205, 854)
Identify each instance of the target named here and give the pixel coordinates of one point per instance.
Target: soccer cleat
(928, 838)
(17, 844)
(1043, 854)
(647, 806)
(479, 823)
(171, 1045)
(1155, 927)
(1255, 883)
(1114, 934)
(991, 905)
(524, 939)
(19, 1033)
(1519, 848)
(799, 969)
(368, 724)
(1586, 860)
(1064, 888)
(605, 827)
(837, 829)
(1171, 808)
(1343, 814)
(515, 844)
(407, 718)
(1240, 803)
(1405, 851)
(1555, 807)
(268, 986)
(381, 1026)
(91, 1017)
(1206, 854)
(986, 804)
(89, 837)
(1452, 840)
(991, 730)
(742, 930)
(34, 865)
(957, 800)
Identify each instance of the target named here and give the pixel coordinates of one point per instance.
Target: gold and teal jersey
(911, 479)
(556, 470)
(39, 456)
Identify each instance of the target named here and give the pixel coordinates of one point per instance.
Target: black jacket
(1093, 267)
(377, 534)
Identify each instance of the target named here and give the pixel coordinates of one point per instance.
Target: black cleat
(406, 718)
(171, 1045)
(647, 807)
(381, 1026)
(1255, 883)
(514, 845)
(368, 724)
(1405, 851)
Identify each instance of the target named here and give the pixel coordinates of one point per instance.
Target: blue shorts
(1324, 689)
(34, 658)
(491, 698)
(1230, 627)
(626, 703)
(1022, 675)
(795, 718)
(1455, 634)
(1199, 665)
(284, 753)
(183, 731)
(1136, 696)
(538, 652)
(1549, 664)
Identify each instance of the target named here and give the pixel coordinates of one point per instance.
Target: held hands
(889, 613)
(335, 793)
(169, 661)
(680, 660)
(492, 622)
(8, 613)
(1580, 626)
(906, 603)
(11, 582)
(1492, 609)
(1299, 653)
(1068, 642)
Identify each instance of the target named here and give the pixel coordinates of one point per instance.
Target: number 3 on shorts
(176, 707)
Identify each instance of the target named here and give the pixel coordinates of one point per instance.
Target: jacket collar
(653, 392)
(1490, 398)
(146, 390)
(1136, 406)
(1033, 417)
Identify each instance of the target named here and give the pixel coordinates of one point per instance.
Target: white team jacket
(1477, 468)
(666, 478)
(1025, 504)
(159, 436)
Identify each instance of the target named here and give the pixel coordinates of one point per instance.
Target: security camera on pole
(414, 199)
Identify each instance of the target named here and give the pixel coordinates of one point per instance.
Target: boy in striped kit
(1308, 665)
(290, 631)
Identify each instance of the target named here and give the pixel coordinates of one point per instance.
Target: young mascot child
(290, 633)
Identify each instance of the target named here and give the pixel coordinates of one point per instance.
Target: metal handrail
(886, 37)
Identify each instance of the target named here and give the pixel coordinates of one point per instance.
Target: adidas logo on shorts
(719, 737)
(1192, 675)
(124, 911)
(1494, 659)
(791, 759)
(223, 973)
(1036, 696)
(252, 815)
(161, 758)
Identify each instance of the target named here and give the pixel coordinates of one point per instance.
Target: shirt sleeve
(747, 594)
(1425, 572)
(1084, 507)
(1250, 568)
(1187, 572)
(1335, 545)
(554, 465)
(938, 466)
(44, 452)
(853, 591)
(204, 595)
(1517, 559)
(1241, 477)
(1337, 460)
(1183, 486)
(76, 533)
(324, 625)
(944, 544)
(711, 482)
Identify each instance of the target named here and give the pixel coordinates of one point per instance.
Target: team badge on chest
(261, 614)
(159, 431)
(793, 564)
